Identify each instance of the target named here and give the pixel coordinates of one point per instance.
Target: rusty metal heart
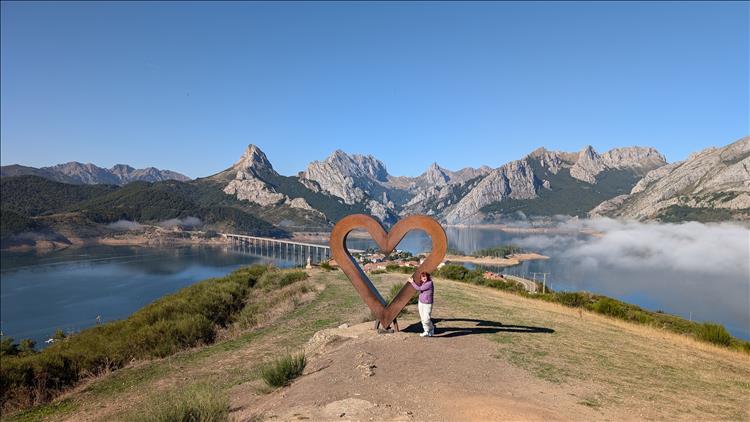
(385, 312)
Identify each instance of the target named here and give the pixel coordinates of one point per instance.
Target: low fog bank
(696, 247)
(124, 225)
(689, 268)
(127, 225)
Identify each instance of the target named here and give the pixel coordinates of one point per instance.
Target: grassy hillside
(609, 366)
(195, 315)
(34, 195)
(27, 198)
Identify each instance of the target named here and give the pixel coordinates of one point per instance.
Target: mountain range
(89, 174)
(250, 196)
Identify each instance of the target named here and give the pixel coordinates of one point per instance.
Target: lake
(692, 270)
(68, 289)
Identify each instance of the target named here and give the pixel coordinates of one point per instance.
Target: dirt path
(356, 374)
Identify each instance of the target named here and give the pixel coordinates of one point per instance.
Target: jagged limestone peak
(253, 160)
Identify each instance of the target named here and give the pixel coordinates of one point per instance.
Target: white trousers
(425, 314)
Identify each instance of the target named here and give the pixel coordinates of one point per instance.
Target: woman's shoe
(425, 334)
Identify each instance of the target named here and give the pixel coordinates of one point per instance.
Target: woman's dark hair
(424, 274)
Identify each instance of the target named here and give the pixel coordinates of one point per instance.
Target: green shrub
(395, 268)
(572, 299)
(326, 266)
(713, 333)
(8, 347)
(196, 403)
(282, 371)
(275, 278)
(290, 277)
(611, 307)
(254, 272)
(452, 272)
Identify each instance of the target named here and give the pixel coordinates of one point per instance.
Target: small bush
(290, 277)
(610, 307)
(274, 279)
(326, 266)
(254, 272)
(713, 333)
(572, 299)
(282, 371)
(196, 403)
(395, 268)
(452, 271)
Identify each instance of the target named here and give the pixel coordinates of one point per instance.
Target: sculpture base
(392, 329)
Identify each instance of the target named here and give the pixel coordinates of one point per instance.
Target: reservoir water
(692, 270)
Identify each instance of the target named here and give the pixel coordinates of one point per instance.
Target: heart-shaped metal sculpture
(385, 312)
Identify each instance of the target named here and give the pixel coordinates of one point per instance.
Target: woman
(425, 289)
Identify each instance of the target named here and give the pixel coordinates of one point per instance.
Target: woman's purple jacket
(425, 291)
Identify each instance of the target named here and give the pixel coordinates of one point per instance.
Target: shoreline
(45, 245)
(512, 260)
(515, 229)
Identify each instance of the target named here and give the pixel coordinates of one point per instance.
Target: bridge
(529, 285)
(300, 251)
(282, 248)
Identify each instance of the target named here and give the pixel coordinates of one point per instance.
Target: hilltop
(496, 355)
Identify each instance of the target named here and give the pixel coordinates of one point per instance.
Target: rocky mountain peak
(588, 165)
(588, 153)
(356, 165)
(122, 168)
(635, 157)
(435, 175)
(552, 161)
(254, 160)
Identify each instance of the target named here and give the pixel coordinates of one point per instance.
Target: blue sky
(186, 86)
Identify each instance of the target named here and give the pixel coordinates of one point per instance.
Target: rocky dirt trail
(354, 373)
